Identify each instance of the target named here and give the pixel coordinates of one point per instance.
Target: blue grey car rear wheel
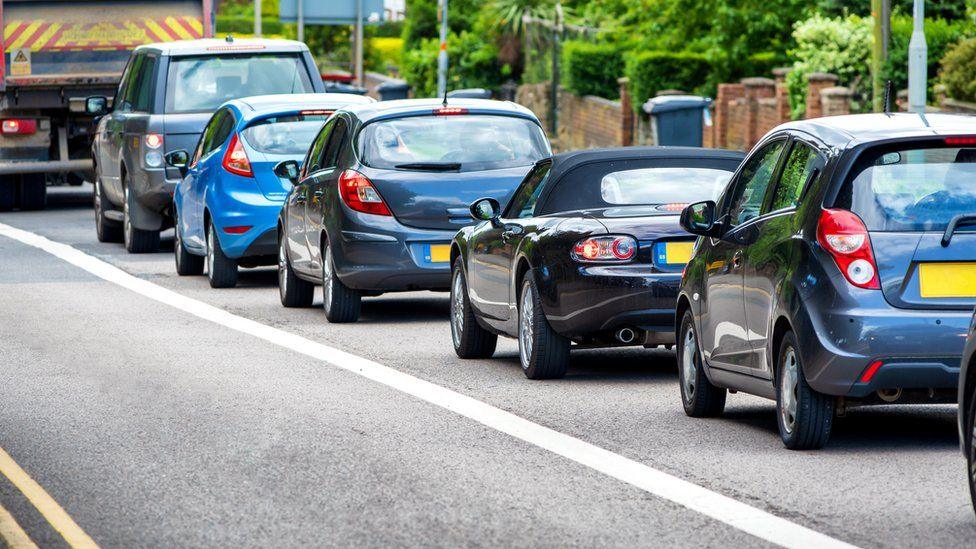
(804, 415)
(340, 302)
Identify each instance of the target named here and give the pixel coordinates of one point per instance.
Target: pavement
(152, 426)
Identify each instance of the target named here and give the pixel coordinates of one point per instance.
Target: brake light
(605, 248)
(448, 111)
(235, 159)
(869, 372)
(18, 126)
(673, 207)
(359, 194)
(320, 112)
(844, 236)
(237, 229)
(960, 141)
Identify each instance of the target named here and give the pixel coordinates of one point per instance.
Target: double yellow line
(11, 532)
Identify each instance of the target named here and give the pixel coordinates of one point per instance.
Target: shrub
(473, 64)
(244, 25)
(959, 70)
(592, 69)
(652, 71)
(940, 35)
(382, 53)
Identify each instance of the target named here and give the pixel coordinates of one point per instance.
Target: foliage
(936, 9)
(473, 64)
(652, 71)
(420, 22)
(386, 29)
(840, 46)
(940, 35)
(382, 53)
(508, 14)
(592, 69)
(959, 70)
(238, 25)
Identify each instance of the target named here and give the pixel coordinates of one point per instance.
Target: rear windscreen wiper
(431, 166)
(961, 219)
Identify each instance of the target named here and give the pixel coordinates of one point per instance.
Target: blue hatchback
(226, 206)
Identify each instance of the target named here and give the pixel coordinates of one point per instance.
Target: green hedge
(652, 71)
(237, 24)
(959, 70)
(940, 36)
(592, 69)
(473, 64)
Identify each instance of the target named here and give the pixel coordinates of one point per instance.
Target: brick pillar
(779, 74)
(815, 82)
(727, 93)
(784, 111)
(835, 101)
(626, 113)
(755, 89)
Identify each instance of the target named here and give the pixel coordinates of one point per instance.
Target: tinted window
(911, 189)
(651, 186)
(291, 134)
(336, 139)
(216, 132)
(201, 84)
(141, 92)
(128, 90)
(119, 101)
(312, 162)
(525, 199)
(476, 142)
(753, 183)
(803, 163)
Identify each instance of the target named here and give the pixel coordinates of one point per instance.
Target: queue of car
(833, 266)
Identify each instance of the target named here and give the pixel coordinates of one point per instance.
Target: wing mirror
(288, 169)
(486, 209)
(96, 105)
(178, 159)
(699, 219)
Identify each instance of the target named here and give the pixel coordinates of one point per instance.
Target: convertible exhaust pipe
(625, 335)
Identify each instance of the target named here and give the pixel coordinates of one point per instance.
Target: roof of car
(406, 107)
(216, 46)
(566, 161)
(865, 128)
(261, 105)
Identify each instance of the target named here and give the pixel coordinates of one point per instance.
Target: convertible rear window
(468, 142)
(290, 134)
(648, 186)
(911, 188)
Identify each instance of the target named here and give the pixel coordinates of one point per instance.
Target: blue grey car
(838, 269)
(967, 408)
(383, 189)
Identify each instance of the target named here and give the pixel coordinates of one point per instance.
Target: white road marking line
(741, 516)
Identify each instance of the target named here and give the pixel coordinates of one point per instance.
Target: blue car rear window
(291, 134)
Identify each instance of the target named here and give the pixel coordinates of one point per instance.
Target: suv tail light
(846, 239)
(605, 248)
(359, 194)
(235, 159)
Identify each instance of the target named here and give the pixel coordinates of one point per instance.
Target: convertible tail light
(605, 248)
(359, 194)
(235, 159)
(846, 239)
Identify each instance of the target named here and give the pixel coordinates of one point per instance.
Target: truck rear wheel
(33, 192)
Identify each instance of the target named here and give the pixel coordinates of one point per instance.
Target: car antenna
(444, 104)
(889, 88)
(230, 38)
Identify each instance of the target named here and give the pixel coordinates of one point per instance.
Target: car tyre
(33, 192)
(698, 396)
(543, 353)
(804, 415)
(106, 229)
(221, 270)
(293, 291)
(470, 339)
(970, 438)
(187, 264)
(341, 303)
(137, 241)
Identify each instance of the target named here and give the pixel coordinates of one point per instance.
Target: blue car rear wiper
(431, 166)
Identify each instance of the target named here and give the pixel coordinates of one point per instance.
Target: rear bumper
(251, 209)
(383, 262)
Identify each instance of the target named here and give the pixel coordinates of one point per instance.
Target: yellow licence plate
(678, 252)
(947, 279)
(440, 253)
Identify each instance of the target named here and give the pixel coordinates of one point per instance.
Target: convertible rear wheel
(340, 302)
(293, 291)
(221, 270)
(804, 415)
(187, 264)
(544, 354)
(470, 339)
(698, 396)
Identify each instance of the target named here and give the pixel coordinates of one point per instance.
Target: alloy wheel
(525, 327)
(788, 396)
(689, 366)
(126, 220)
(210, 249)
(282, 268)
(327, 278)
(457, 308)
(177, 241)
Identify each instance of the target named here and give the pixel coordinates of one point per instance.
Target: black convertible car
(588, 251)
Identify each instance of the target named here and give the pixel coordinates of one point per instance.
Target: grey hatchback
(166, 95)
(836, 270)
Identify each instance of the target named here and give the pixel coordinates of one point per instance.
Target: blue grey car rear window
(203, 83)
(911, 189)
(468, 142)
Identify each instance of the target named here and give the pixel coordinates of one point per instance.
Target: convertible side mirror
(699, 219)
(486, 209)
(178, 159)
(287, 169)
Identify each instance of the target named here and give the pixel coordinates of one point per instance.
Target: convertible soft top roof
(563, 163)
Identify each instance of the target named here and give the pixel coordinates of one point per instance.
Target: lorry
(56, 53)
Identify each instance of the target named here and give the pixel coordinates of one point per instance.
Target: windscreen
(455, 143)
(289, 134)
(911, 189)
(203, 83)
(647, 186)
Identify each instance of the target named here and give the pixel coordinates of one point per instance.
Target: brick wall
(584, 122)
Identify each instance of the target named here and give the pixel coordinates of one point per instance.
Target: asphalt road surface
(147, 418)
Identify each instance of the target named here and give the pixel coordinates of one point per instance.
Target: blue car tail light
(235, 159)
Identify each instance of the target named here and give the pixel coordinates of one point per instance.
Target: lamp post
(257, 18)
(917, 61)
(442, 54)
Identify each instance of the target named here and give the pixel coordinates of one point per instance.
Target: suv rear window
(911, 189)
(203, 83)
(461, 142)
(289, 134)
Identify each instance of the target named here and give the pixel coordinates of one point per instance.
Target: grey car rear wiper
(431, 166)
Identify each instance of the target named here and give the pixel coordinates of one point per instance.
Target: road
(157, 421)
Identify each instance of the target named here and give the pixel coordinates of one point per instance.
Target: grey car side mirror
(699, 219)
(287, 169)
(486, 209)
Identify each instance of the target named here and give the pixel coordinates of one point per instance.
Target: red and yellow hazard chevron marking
(51, 36)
